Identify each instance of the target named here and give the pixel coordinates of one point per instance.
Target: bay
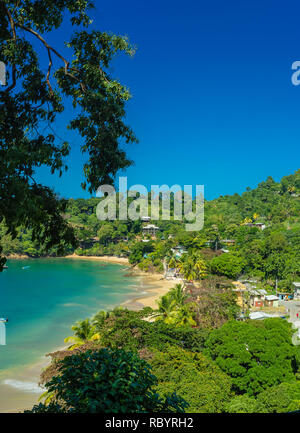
(42, 298)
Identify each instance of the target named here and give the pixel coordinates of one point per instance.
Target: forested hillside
(231, 225)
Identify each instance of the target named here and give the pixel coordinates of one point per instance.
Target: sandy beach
(149, 288)
(154, 285)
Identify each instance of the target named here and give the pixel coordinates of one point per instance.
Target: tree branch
(12, 25)
(49, 49)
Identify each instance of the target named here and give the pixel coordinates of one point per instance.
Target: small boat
(5, 267)
(25, 267)
(3, 320)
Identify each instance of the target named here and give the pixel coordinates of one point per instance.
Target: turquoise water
(43, 300)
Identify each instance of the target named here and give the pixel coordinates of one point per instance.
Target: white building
(150, 229)
(296, 287)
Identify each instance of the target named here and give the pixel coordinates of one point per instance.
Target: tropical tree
(107, 381)
(256, 354)
(185, 316)
(166, 309)
(192, 266)
(84, 331)
(36, 93)
(178, 295)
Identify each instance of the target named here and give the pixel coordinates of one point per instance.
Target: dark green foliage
(107, 381)
(229, 265)
(126, 329)
(256, 354)
(35, 96)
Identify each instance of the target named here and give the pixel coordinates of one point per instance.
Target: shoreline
(150, 288)
(160, 285)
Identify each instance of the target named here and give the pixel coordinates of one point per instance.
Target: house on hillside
(150, 230)
(179, 251)
(296, 289)
(228, 242)
(260, 226)
(145, 219)
(271, 301)
(257, 297)
(285, 296)
(240, 290)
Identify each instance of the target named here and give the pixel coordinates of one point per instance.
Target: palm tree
(99, 319)
(178, 295)
(200, 267)
(166, 309)
(83, 332)
(186, 268)
(185, 317)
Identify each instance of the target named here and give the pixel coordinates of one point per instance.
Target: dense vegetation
(194, 343)
(271, 255)
(232, 368)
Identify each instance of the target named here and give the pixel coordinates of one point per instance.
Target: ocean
(42, 299)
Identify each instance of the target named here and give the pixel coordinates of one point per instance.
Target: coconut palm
(200, 267)
(186, 268)
(166, 309)
(84, 331)
(178, 295)
(185, 317)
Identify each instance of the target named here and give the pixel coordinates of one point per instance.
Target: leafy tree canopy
(35, 95)
(107, 381)
(255, 354)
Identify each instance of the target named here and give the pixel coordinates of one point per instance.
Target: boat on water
(25, 267)
(5, 267)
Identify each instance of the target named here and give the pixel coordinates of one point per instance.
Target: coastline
(154, 284)
(150, 288)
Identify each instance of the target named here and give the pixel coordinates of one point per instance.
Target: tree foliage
(34, 97)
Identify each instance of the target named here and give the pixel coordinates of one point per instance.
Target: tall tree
(33, 97)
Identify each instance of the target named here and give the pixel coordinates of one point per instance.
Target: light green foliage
(242, 404)
(280, 399)
(196, 378)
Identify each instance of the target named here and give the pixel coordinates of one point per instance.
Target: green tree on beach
(34, 97)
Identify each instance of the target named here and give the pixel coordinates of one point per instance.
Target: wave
(24, 386)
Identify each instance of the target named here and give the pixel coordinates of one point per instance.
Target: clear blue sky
(213, 101)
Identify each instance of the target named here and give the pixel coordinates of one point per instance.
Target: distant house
(240, 290)
(145, 219)
(150, 229)
(271, 301)
(249, 283)
(257, 297)
(178, 251)
(296, 287)
(228, 242)
(286, 296)
(260, 226)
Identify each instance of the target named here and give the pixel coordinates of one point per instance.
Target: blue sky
(213, 101)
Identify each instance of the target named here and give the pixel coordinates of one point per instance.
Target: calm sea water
(42, 298)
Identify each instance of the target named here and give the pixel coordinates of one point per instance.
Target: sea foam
(24, 386)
